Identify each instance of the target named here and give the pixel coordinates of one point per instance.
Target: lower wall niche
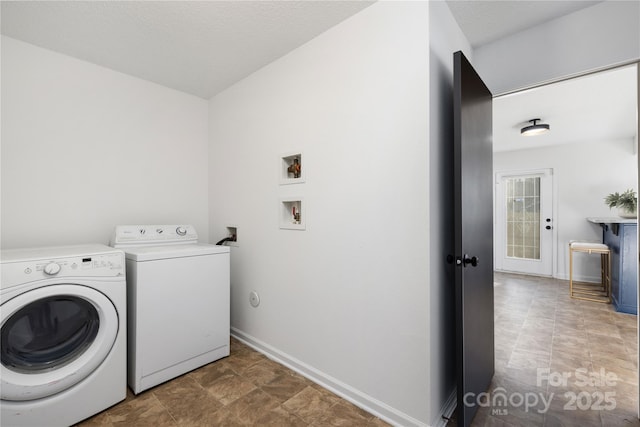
(292, 214)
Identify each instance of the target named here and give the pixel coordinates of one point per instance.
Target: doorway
(524, 222)
(587, 162)
(586, 167)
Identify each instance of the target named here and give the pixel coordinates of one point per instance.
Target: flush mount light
(534, 128)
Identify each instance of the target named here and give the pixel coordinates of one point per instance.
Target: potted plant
(626, 202)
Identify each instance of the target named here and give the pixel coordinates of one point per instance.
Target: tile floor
(538, 326)
(244, 389)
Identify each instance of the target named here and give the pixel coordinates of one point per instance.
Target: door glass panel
(523, 217)
(48, 333)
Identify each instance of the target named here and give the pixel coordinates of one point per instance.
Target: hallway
(573, 363)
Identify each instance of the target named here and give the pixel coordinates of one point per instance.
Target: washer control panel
(140, 235)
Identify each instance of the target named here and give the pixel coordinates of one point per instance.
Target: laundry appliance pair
(80, 322)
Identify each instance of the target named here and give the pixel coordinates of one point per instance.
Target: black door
(473, 194)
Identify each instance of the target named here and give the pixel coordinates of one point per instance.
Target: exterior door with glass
(524, 222)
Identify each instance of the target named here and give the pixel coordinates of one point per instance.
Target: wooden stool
(592, 291)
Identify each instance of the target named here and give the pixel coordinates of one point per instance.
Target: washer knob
(181, 231)
(52, 269)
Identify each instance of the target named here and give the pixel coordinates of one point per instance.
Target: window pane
(523, 217)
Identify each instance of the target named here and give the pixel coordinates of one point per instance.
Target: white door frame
(499, 233)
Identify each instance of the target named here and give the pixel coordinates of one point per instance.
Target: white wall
(347, 300)
(604, 34)
(583, 175)
(85, 148)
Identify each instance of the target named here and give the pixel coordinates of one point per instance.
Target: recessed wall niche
(232, 231)
(292, 213)
(291, 168)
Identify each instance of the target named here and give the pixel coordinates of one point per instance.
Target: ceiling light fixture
(535, 128)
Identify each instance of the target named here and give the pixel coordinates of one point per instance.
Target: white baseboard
(358, 398)
(559, 276)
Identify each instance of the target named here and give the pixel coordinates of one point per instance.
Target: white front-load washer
(178, 302)
(63, 334)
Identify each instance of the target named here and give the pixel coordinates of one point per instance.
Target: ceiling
(486, 21)
(198, 47)
(203, 47)
(595, 107)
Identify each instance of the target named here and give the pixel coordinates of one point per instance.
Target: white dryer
(63, 334)
(178, 302)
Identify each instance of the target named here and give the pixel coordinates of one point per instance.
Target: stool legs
(570, 271)
(588, 291)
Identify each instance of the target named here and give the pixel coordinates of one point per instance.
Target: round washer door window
(52, 338)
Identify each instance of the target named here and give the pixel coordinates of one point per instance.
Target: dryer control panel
(142, 235)
(103, 265)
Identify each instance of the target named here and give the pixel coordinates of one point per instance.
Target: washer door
(52, 338)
